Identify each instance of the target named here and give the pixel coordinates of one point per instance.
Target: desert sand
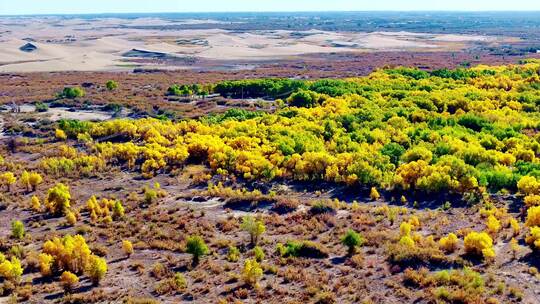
(71, 44)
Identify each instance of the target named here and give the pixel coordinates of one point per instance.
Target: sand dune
(99, 44)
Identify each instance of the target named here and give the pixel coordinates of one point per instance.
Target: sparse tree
(254, 227)
(127, 247)
(351, 240)
(96, 269)
(7, 179)
(196, 247)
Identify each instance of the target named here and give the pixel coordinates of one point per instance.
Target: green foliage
(17, 229)
(72, 92)
(258, 253)
(232, 114)
(233, 254)
(73, 127)
(196, 246)
(256, 88)
(305, 99)
(394, 151)
(352, 240)
(451, 286)
(179, 90)
(111, 85)
(304, 249)
(473, 122)
(409, 72)
(41, 107)
(459, 131)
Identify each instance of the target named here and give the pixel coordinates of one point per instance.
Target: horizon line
(266, 12)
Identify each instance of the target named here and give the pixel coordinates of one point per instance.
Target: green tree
(351, 240)
(302, 98)
(196, 246)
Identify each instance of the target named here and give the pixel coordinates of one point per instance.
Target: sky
(22, 7)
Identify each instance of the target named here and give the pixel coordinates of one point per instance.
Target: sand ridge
(100, 44)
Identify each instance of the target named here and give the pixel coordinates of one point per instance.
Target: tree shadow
(531, 259)
(338, 259)
(119, 260)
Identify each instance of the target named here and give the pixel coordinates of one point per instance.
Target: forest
(404, 185)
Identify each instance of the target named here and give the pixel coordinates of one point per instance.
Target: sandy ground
(99, 44)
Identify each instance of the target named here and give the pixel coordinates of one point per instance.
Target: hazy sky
(8, 7)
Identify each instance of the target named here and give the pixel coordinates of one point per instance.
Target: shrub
(532, 200)
(7, 179)
(17, 230)
(514, 224)
(197, 247)
(406, 241)
(72, 92)
(58, 199)
(173, 284)
(414, 221)
(127, 247)
(533, 238)
(493, 225)
(60, 134)
(118, 210)
(306, 99)
(410, 252)
(233, 254)
(451, 286)
(533, 217)
(41, 107)
(306, 249)
(251, 273)
(36, 204)
(529, 185)
(68, 281)
(11, 269)
(254, 227)
(321, 207)
(374, 194)
(150, 195)
(97, 269)
(71, 218)
(111, 85)
(45, 264)
(405, 229)
(449, 242)
(479, 243)
(352, 240)
(258, 253)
